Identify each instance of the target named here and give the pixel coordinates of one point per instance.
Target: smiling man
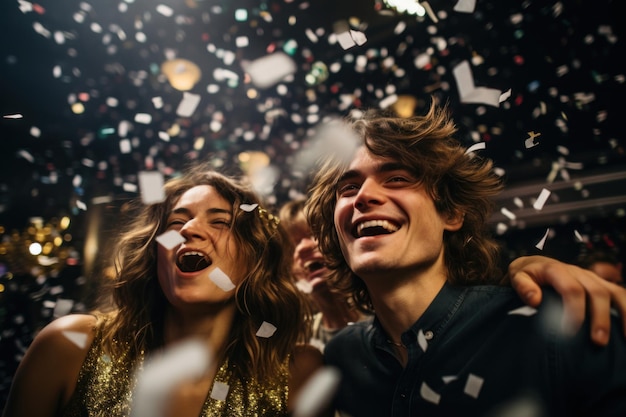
(403, 226)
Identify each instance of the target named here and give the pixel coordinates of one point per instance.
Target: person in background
(208, 264)
(402, 225)
(333, 310)
(605, 265)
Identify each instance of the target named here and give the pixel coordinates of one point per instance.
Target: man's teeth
(389, 227)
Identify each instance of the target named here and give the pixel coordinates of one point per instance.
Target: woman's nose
(191, 230)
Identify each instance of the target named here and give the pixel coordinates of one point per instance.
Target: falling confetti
(222, 280)
(170, 239)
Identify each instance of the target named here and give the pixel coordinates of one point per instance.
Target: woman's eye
(175, 224)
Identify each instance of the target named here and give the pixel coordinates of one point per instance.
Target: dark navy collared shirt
(479, 351)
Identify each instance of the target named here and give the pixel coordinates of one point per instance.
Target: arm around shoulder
(46, 376)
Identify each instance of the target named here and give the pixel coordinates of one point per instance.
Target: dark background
(562, 62)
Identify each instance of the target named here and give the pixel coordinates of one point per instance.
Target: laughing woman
(227, 275)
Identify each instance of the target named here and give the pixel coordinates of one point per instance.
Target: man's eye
(347, 189)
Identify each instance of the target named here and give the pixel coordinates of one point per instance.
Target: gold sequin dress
(105, 384)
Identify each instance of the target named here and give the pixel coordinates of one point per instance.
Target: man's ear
(454, 221)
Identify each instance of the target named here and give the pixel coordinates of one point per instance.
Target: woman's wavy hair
(266, 293)
(459, 184)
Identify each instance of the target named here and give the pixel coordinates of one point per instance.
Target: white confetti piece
(269, 70)
(429, 10)
(388, 101)
(347, 38)
(248, 207)
(161, 374)
(508, 213)
(26, 155)
(222, 280)
(165, 10)
(79, 339)
(62, 307)
(476, 147)
(505, 96)
(421, 340)
(125, 146)
(81, 205)
(151, 186)
(266, 330)
(220, 391)
(578, 236)
(542, 242)
(465, 6)
(332, 139)
(317, 393)
(468, 92)
(523, 311)
(428, 394)
(304, 286)
(143, 118)
(170, 239)
(13, 116)
(541, 200)
(530, 140)
(449, 378)
(473, 385)
(188, 104)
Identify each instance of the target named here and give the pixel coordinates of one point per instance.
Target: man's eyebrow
(383, 167)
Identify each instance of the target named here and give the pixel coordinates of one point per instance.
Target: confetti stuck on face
(222, 280)
(428, 394)
(266, 330)
(170, 239)
(151, 187)
(79, 339)
(473, 385)
(317, 393)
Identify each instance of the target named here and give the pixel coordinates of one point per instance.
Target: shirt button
(428, 334)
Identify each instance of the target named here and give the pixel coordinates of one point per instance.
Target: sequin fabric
(105, 384)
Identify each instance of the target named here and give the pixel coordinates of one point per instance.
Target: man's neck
(400, 305)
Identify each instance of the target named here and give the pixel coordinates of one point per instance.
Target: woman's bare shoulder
(66, 335)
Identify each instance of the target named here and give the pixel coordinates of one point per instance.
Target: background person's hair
(266, 293)
(459, 184)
